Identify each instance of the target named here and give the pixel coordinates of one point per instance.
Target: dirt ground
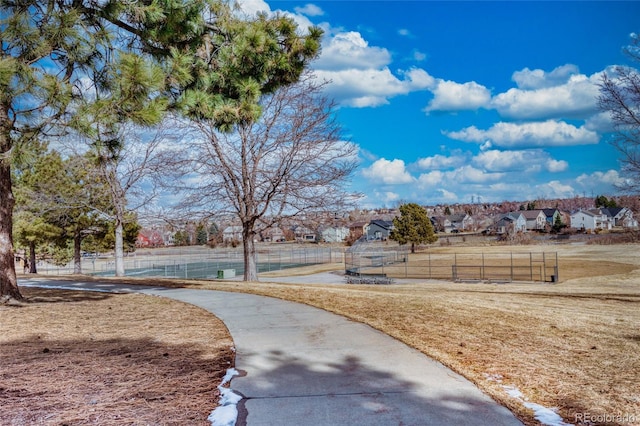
(84, 358)
(572, 346)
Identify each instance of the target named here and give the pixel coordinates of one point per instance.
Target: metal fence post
(511, 266)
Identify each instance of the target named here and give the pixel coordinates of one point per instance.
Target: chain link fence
(201, 262)
(375, 261)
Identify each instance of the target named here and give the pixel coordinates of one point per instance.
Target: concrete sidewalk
(304, 366)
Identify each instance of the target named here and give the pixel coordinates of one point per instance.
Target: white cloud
(371, 87)
(600, 123)
(386, 197)
(555, 166)
(536, 79)
(536, 134)
(575, 98)
(462, 175)
(555, 189)
(419, 56)
(452, 96)
(447, 195)
(348, 50)
(470, 174)
(530, 160)
(404, 32)
(309, 10)
(359, 73)
(251, 7)
(389, 172)
(431, 179)
(441, 162)
(610, 177)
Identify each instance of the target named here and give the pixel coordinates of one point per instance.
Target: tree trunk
(8, 280)
(119, 251)
(250, 266)
(32, 258)
(77, 254)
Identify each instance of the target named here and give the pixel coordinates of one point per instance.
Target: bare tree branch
(293, 160)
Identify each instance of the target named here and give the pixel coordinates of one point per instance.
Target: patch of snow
(546, 416)
(513, 392)
(227, 413)
(493, 377)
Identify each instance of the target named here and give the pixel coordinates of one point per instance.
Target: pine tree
(143, 57)
(413, 226)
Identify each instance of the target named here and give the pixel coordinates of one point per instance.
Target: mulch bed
(77, 358)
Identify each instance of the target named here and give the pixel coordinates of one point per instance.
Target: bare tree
(292, 160)
(132, 174)
(620, 97)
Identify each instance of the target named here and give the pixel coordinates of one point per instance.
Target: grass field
(573, 345)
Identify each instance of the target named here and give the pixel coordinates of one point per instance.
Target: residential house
(378, 229)
(621, 217)
(458, 222)
(273, 234)
(232, 233)
(168, 237)
(305, 234)
(510, 223)
(149, 238)
(536, 219)
(552, 215)
(590, 220)
(335, 234)
(357, 230)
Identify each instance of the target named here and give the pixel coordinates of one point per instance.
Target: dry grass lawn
(574, 345)
(83, 358)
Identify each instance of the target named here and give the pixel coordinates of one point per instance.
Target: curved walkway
(304, 366)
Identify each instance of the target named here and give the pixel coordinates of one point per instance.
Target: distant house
(232, 233)
(149, 238)
(168, 237)
(378, 229)
(303, 233)
(551, 215)
(357, 230)
(621, 217)
(536, 219)
(510, 223)
(603, 219)
(273, 234)
(335, 234)
(459, 222)
(590, 220)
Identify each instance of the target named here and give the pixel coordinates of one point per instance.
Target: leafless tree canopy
(292, 160)
(620, 97)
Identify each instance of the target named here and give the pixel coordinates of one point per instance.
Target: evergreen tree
(201, 235)
(63, 194)
(413, 226)
(210, 63)
(50, 48)
(603, 201)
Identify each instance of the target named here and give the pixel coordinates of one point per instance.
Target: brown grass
(572, 345)
(82, 358)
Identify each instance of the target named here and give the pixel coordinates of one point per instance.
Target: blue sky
(454, 101)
